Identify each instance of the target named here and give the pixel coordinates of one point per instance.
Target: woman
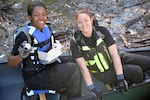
(95, 51)
(36, 74)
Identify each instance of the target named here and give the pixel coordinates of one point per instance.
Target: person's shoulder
(102, 28)
(20, 34)
(76, 36)
(21, 37)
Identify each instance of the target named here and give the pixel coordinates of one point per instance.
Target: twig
(124, 41)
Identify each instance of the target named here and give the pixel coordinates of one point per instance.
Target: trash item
(53, 54)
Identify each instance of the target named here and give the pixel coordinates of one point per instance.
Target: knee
(133, 73)
(76, 71)
(137, 75)
(75, 78)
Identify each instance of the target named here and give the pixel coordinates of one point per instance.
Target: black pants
(56, 76)
(134, 65)
(136, 59)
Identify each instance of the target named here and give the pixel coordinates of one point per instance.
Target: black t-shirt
(20, 38)
(91, 42)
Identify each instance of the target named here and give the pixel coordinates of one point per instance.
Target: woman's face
(38, 17)
(84, 23)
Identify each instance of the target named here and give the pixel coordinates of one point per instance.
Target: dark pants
(56, 76)
(134, 65)
(136, 59)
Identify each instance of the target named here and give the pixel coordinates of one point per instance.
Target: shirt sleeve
(19, 39)
(75, 50)
(108, 39)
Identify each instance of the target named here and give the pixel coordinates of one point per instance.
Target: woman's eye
(79, 22)
(36, 15)
(86, 20)
(44, 15)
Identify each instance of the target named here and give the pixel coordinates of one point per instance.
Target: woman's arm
(84, 71)
(118, 68)
(116, 59)
(14, 58)
(13, 61)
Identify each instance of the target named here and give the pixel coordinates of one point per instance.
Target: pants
(134, 65)
(136, 59)
(56, 76)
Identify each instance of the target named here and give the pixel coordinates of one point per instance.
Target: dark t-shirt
(91, 42)
(20, 38)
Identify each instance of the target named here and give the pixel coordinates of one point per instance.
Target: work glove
(98, 94)
(123, 85)
(24, 49)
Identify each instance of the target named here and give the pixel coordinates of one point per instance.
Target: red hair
(83, 10)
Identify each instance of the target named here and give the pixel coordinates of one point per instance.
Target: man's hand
(98, 94)
(24, 49)
(123, 85)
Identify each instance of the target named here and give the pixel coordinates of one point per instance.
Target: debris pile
(136, 40)
(127, 20)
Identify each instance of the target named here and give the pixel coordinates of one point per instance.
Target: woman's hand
(13, 61)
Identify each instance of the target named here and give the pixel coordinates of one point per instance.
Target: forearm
(84, 71)
(116, 59)
(13, 60)
(117, 65)
(87, 77)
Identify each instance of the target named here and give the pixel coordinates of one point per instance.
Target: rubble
(123, 18)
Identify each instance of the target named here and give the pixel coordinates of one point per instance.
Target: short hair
(32, 5)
